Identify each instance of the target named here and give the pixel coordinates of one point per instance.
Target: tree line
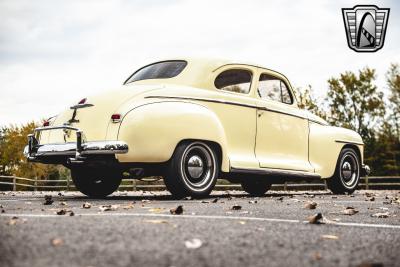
(353, 101)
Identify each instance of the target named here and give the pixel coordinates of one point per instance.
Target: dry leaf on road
(349, 211)
(86, 205)
(193, 243)
(236, 207)
(316, 219)
(108, 207)
(156, 221)
(332, 237)
(57, 242)
(177, 211)
(381, 215)
(48, 200)
(310, 205)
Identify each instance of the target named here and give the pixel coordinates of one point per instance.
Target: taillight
(116, 118)
(83, 101)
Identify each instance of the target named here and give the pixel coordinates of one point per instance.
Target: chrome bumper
(76, 150)
(365, 170)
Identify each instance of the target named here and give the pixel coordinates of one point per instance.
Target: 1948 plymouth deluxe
(193, 121)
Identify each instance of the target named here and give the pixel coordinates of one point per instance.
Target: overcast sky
(54, 53)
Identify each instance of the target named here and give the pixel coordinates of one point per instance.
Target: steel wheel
(193, 170)
(347, 173)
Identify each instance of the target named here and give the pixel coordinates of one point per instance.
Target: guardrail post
(325, 185)
(35, 184)
(366, 183)
(14, 183)
(67, 183)
(285, 186)
(133, 184)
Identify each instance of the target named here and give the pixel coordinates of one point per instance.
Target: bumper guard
(75, 151)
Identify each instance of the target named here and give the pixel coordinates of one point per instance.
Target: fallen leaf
(205, 201)
(57, 242)
(61, 212)
(316, 219)
(156, 221)
(48, 200)
(13, 220)
(215, 200)
(108, 207)
(253, 201)
(236, 207)
(373, 264)
(280, 198)
(349, 211)
(333, 237)
(381, 215)
(71, 213)
(317, 256)
(60, 194)
(63, 203)
(310, 205)
(86, 205)
(177, 211)
(156, 210)
(193, 243)
(129, 206)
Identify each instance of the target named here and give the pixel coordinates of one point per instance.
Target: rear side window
(159, 70)
(273, 88)
(235, 80)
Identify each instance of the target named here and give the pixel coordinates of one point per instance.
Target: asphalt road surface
(227, 229)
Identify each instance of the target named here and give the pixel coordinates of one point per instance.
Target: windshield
(159, 70)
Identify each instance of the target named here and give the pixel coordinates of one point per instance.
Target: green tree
(306, 101)
(13, 139)
(393, 82)
(355, 102)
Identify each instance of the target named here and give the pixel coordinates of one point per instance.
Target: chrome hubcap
(346, 170)
(195, 166)
(349, 170)
(198, 166)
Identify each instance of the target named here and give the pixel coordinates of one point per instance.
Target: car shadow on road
(164, 196)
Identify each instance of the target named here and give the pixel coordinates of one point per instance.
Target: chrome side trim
(228, 103)
(276, 172)
(348, 142)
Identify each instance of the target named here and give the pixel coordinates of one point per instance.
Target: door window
(273, 88)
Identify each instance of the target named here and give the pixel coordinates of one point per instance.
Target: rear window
(159, 70)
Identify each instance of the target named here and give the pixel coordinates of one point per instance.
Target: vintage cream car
(192, 121)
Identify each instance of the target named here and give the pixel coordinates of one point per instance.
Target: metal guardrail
(17, 183)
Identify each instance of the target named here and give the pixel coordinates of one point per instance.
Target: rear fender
(153, 130)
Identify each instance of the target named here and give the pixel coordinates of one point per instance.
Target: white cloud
(53, 53)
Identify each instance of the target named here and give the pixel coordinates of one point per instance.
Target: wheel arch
(154, 130)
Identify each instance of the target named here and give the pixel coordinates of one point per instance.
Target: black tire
(193, 170)
(347, 173)
(256, 187)
(96, 182)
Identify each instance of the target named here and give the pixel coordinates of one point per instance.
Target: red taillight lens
(46, 123)
(116, 117)
(83, 101)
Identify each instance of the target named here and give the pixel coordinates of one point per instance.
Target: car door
(282, 128)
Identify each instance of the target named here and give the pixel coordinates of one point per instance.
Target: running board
(286, 174)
